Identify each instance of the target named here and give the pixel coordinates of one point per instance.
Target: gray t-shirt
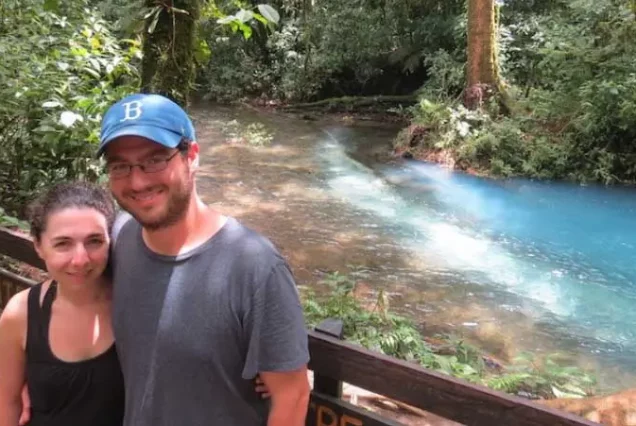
(193, 330)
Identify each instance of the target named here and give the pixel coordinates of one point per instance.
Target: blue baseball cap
(153, 117)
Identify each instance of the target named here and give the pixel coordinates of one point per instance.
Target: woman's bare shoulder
(15, 313)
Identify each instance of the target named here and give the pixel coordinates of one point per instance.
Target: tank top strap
(47, 303)
(38, 320)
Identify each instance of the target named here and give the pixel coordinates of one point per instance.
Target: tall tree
(482, 77)
(168, 65)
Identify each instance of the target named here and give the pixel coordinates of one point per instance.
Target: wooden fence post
(323, 384)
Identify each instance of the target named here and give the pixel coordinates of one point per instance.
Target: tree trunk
(168, 65)
(482, 76)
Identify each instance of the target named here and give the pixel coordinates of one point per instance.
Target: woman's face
(75, 245)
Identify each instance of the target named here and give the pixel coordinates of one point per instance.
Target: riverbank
(372, 325)
(518, 144)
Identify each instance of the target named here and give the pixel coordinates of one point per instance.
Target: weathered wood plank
(19, 247)
(16, 279)
(327, 411)
(323, 384)
(10, 284)
(437, 393)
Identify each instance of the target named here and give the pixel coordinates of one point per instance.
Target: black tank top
(83, 393)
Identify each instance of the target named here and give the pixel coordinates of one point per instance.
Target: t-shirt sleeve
(121, 219)
(274, 326)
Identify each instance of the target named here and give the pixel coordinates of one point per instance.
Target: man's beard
(177, 206)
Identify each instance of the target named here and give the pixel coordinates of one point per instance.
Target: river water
(511, 265)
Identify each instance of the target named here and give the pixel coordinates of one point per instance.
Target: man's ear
(193, 155)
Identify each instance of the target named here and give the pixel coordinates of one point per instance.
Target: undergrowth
(375, 328)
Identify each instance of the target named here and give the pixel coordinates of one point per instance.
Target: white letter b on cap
(132, 111)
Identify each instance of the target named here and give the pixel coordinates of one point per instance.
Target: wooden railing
(334, 362)
(10, 284)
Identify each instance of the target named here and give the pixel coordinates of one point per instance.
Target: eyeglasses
(151, 165)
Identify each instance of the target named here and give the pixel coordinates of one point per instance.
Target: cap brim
(155, 134)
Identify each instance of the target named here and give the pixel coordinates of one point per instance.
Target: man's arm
(290, 397)
(278, 350)
(25, 416)
(12, 359)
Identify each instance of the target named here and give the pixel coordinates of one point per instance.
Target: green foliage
(550, 377)
(499, 146)
(582, 89)
(12, 222)
(330, 48)
(375, 328)
(174, 34)
(446, 75)
(125, 16)
(58, 75)
(240, 21)
(227, 32)
(569, 68)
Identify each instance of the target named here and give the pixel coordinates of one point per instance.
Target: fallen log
(352, 102)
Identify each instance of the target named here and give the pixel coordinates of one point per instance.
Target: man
(201, 304)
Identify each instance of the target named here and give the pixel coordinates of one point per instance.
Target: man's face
(157, 199)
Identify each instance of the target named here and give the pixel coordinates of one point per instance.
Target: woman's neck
(88, 294)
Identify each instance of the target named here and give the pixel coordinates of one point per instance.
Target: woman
(57, 336)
